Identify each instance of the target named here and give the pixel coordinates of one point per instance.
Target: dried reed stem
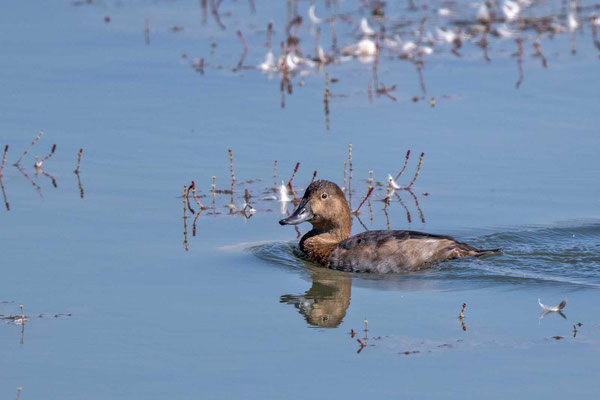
(357, 211)
(37, 187)
(275, 173)
(78, 160)
(408, 216)
(40, 163)
(350, 175)
(240, 64)
(405, 164)
(314, 176)
(415, 198)
(289, 184)
(4, 196)
(204, 7)
(231, 166)
(214, 5)
(80, 186)
(333, 36)
(293, 174)
(326, 95)
(187, 198)
(213, 188)
(193, 189)
(345, 180)
(388, 195)
(3, 160)
(29, 148)
(519, 55)
(269, 35)
(417, 171)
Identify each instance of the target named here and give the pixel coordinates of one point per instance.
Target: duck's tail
(487, 252)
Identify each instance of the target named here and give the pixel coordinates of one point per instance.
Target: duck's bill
(302, 214)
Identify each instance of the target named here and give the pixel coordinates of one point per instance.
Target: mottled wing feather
(374, 238)
(395, 251)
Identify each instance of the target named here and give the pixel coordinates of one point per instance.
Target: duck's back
(396, 251)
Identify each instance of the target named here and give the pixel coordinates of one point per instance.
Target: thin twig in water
(3, 160)
(187, 198)
(213, 188)
(214, 9)
(38, 164)
(415, 198)
(78, 160)
(357, 211)
(326, 101)
(185, 206)
(289, 184)
(269, 35)
(416, 172)
(79, 184)
(4, 196)
(404, 167)
(345, 180)
(193, 189)
(519, 55)
(333, 36)
(240, 64)
(204, 7)
(350, 175)
(408, 216)
(538, 51)
(37, 187)
(29, 148)
(49, 176)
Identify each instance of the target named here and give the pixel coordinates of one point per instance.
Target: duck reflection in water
(325, 303)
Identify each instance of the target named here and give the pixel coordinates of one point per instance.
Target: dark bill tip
(301, 214)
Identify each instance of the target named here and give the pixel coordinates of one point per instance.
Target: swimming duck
(329, 243)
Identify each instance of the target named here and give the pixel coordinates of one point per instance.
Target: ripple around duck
(563, 254)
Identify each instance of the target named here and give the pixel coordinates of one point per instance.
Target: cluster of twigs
(21, 319)
(255, 197)
(38, 166)
(373, 34)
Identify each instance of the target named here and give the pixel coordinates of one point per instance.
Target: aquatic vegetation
(38, 165)
(378, 35)
(461, 317)
(257, 196)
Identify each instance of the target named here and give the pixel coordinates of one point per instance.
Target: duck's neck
(318, 244)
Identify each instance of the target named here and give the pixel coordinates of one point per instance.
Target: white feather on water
(556, 308)
(283, 194)
(393, 182)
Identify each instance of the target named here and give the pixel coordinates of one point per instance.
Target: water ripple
(564, 254)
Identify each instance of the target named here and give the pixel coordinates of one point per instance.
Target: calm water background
(511, 168)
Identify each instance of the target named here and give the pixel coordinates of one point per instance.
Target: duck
(329, 243)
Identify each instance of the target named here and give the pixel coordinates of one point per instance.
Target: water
(240, 313)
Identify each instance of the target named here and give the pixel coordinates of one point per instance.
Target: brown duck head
(324, 206)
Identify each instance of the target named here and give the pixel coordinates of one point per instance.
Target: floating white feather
(557, 308)
(283, 194)
(365, 28)
(393, 182)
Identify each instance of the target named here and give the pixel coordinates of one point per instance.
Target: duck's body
(329, 243)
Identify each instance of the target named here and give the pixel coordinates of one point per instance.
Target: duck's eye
(324, 196)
